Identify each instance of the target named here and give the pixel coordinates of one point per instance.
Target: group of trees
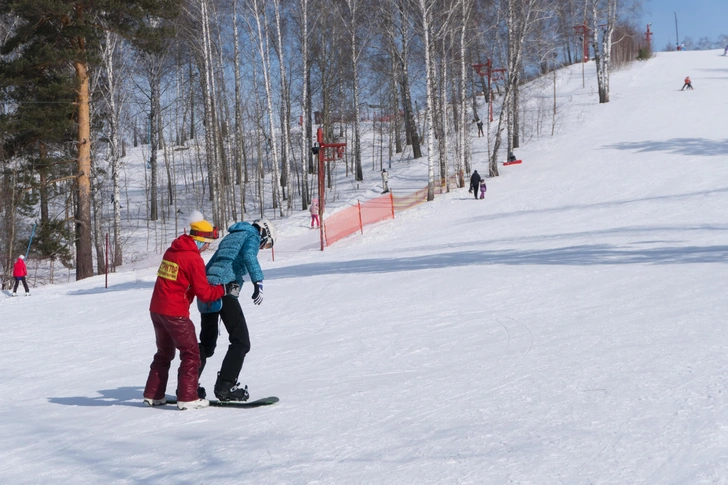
(236, 83)
(702, 44)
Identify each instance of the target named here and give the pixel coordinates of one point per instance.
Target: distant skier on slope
(20, 271)
(475, 183)
(314, 209)
(687, 84)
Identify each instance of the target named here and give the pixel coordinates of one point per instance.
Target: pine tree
(55, 34)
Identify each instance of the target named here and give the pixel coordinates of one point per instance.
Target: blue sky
(696, 19)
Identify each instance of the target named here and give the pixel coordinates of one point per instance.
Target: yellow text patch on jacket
(168, 270)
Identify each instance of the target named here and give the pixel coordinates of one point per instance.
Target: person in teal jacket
(236, 256)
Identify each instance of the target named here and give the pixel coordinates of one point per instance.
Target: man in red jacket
(180, 278)
(20, 271)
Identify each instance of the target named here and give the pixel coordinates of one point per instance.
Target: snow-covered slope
(568, 329)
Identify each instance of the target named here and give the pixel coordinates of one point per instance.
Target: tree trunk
(306, 155)
(262, 31)
(413, 137)
(84, 250)
(353, 11)
(153, 148)
(429, 88)
(285, 108)
(213, 168)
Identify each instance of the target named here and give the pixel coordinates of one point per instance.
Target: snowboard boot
(230, 390)
(198, 404)
(155, 402)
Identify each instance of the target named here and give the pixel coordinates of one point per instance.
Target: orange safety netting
(410, 200)
(376, 210)
(342, 224)
(353, 219)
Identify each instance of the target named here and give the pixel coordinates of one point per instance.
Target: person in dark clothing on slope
(475, 183)
(236, 255)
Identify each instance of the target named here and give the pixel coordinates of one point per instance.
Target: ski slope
(568, 329)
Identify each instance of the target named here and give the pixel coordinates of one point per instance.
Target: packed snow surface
(567, 329)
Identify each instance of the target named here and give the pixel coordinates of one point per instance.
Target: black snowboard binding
(230, 390)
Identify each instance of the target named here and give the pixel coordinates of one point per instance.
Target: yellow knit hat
(200, 229)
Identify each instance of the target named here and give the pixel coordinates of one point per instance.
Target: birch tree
(208, 86)
(603, 49)
(412, 134)
(257, 11)
(306, 154)
(464, 132)
(239, 157)
(356, 51)
(426, 8)
(285, 106)
(520, 15)
(114, 97)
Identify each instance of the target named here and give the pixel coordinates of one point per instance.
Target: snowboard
(211, 307)
(265, 401)
(514, 162)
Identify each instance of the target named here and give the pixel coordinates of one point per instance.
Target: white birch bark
(208, 87)
(285, 106)
(241, 175)
(264, 52)
(464, 139)
(425, 11)
(444, 113)
(305, 124)
(355, 55)
(602, 51)
(111, 93)
(227, 200)
(519, 20)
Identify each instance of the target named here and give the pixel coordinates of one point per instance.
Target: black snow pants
(234, 321)
(25, 284)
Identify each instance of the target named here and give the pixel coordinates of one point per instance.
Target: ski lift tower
(583, 30)
(486, 70)
(327, 152)
(648, 38)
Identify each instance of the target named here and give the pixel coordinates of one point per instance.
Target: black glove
(232, 289)
(258, 293)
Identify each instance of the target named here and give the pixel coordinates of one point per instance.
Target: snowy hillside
(568, 329)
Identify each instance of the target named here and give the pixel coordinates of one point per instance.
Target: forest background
(224, 98)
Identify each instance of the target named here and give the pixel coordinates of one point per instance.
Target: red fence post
(321, 181)
(106, 284)
(361, 226)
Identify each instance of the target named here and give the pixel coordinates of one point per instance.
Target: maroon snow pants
(174, 333)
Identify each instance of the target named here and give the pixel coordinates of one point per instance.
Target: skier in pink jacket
(315, 213)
